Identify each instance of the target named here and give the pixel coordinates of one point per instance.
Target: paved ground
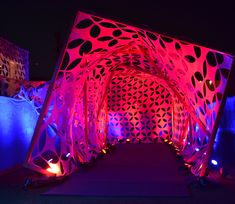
(11, 191)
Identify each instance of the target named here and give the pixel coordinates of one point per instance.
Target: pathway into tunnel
(130, 170)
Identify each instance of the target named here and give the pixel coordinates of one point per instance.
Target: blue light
(228, 120)
(212, 105)
(214, 162)
(197, 127)
(114, 129)
(17, 121)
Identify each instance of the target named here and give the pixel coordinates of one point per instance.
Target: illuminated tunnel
(118, 83)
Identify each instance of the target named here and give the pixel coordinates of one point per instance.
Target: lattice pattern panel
(4, 66)
(189, 138)
(14, 61)
(196, 75)
(12, 69)
(102, 127)
(63, 141)
(180, 121)
(97, 111)
(140, 110)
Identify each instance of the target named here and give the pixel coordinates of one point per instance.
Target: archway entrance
(75, 124)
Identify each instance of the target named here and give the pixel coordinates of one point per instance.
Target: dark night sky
(42, 27)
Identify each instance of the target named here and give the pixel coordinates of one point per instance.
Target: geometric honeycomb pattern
(140, 110)
(75, 121)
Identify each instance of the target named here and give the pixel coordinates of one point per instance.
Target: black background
(42, 26)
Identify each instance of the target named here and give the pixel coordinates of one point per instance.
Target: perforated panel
(96, 48)
(14, 61)
(140, 110)
(181, 122)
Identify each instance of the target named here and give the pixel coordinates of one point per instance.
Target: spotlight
(104, 151)
(128, 141)
(187, 165)
(54, 168)
(197, 149)
(214, 162)
(50, 160)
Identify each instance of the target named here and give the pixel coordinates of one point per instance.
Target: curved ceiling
(196, 74)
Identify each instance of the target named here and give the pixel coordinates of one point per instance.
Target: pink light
(127, 117)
